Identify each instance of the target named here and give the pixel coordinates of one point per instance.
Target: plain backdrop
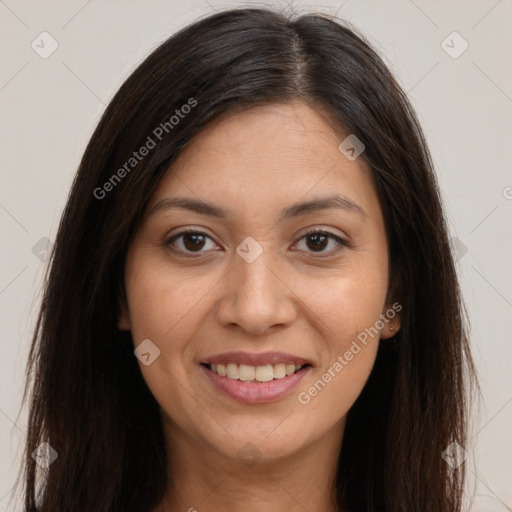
(50, 106)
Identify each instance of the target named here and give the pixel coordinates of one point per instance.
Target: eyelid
(169, 239)
(342, 240)
(324, 229)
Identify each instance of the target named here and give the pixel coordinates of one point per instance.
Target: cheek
(348, 314)
(162, 300)
(348, 311)
(348, 303)
(162, 306)
(333, 392)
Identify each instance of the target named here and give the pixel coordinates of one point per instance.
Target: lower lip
(256, 392)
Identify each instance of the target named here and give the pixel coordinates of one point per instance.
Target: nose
(256, 297)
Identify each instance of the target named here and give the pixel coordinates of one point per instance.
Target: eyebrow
(293, 211)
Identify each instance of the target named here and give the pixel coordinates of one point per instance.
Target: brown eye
(189, 241)
(193, 242)
(318, 240)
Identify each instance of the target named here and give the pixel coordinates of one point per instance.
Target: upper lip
(256, 359)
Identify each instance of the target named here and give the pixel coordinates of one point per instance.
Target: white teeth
(247, 373)
(279, 371)
(232, 372)
(264, 373)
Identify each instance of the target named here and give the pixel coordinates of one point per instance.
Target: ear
(123, 322)
(391, 315)
(392, 319)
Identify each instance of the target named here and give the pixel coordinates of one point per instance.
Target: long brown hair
(88, 399)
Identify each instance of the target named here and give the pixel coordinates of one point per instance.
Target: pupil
(195, 245)
(319, 237)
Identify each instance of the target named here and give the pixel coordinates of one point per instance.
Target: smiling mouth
(249, 373)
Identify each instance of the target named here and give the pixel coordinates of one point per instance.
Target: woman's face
(249, 293)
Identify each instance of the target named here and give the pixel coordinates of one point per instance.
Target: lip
(256, 359)
(255, 392)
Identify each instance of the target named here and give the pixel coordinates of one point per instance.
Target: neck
(203, 479)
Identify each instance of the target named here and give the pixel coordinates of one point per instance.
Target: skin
(289, 299)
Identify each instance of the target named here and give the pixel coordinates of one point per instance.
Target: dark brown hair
(88, 399)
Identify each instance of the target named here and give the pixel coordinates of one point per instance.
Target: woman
(252, 300)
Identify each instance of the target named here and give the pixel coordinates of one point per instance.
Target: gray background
(49, 108)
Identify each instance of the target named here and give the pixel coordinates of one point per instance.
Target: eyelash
(341, 241)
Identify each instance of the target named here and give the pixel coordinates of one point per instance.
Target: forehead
(272, 134)
(265, 158)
